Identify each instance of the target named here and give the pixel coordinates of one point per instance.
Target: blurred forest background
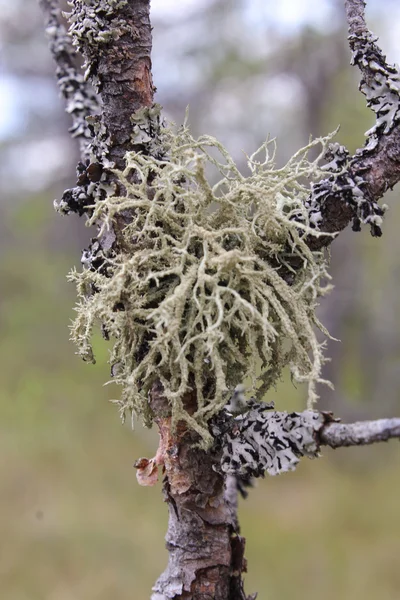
(74, 524)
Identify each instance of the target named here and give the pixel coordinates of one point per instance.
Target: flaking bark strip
(206, 552)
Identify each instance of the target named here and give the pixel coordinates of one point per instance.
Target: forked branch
(362, 179)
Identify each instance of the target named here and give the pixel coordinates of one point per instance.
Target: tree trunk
(206, 552)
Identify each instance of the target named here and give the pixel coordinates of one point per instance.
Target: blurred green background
(74, 524)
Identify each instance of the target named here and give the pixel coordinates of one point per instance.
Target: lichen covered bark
(81, 99)
(352, 195)
(206, 552)
(114, 37)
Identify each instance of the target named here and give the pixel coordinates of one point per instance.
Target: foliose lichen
(93, 173)
(92, 24)
(202, 293)
(380, 83)
(93, 178)
(343, 183)
(81, 99)
(262, 440)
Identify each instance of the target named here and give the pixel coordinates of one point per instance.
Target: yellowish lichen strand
(202, 293)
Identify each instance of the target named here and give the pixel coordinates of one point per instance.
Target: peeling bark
(205, 550)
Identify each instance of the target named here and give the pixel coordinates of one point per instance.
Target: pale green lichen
(212, 285)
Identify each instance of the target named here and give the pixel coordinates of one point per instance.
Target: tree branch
(261, 440)
(206, 552)
(358, 182)
(81, 99)
(114, 37)
(337, 435)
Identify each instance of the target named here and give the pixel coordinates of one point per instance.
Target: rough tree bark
(206, 550)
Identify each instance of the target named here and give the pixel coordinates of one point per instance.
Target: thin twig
(337, 435)
(355, 14)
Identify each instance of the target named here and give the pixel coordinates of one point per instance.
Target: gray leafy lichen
(382, 85)
(79, 95)
(262, 440)
(202, 293)
(93, 23)
(345, 185)
(93, 173)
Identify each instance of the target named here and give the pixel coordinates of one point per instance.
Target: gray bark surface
(339, 435)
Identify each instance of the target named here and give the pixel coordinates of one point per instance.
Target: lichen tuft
(213, 284)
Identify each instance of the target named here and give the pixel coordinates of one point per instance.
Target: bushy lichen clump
(203, 291)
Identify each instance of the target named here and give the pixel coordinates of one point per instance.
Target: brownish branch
(206, 555)
(125, 81)
(206, 551)
(115, 39)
